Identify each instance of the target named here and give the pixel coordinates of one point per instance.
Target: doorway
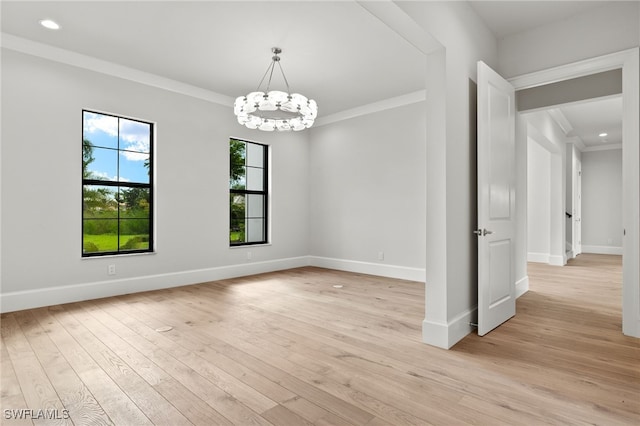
(628, 62)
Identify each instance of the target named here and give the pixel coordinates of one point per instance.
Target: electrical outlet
(380, 255)
(248, 255)
(111, 270)
(609, 241)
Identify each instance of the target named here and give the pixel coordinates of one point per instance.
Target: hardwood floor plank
(152, 404)
(227, 405)
(39, 393)
(280, 415)
(192, 359)
(11, 396)
(74, 395)
(289, 348)
(115, 403)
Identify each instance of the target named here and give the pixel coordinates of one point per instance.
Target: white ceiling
(589, 119)
(509, 17)
(334, 52)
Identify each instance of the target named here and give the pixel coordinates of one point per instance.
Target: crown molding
(578, 142)
(398, 101)
(91, 63)
(602, 147)
(562, 121)
(573, 70)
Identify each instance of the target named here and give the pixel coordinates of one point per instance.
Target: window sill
(250, 245)
(116, 256)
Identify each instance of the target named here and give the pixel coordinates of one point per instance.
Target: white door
(577, 220)
(496, 199)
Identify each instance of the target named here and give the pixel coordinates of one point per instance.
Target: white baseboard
(602, 250)
(380, 269)
(560, 260)
(446, 335)
(522, 286)
(19, 300)
(538, 257)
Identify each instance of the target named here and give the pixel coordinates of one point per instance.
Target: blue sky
(103, 132)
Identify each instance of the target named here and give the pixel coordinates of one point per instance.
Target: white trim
(446, 335)
(561, 120)
(522, 286)
(379, 269)
(602, 250)
(398, 101)
(573, 70)
(631, 193)
(602, 147)
(79, 60)
(558, 260)
(28, 299)
(538, 257)
(577, 141)
(91, 63)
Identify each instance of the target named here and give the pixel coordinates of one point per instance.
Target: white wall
(367, 192)
(538, 202)
(41, 187)
(611, 28)
(451, 292)
(546, 132)
(602, 201)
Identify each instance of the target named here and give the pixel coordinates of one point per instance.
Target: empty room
(319, 212)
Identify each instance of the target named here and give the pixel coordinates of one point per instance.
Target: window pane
(99, 202)
(255, 155)
(237, 172)
(134, 167)
(237, 232)
(99, 235)
(104, 165)
(254, 179)
(237, 152)
(238, 178)
(134, 203)
(135, 135)
(255, 206)
(134, 234)
(255, 230)
(101, 130)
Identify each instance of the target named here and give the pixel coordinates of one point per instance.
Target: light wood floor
(288, 348)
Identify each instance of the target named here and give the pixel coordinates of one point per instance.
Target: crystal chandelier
(275, 110)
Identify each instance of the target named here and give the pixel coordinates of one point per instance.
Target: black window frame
(121, 184)
(245, 192)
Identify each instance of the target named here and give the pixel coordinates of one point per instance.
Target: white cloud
(134, 156)
(105, 176)
(98, 122)
(134, 135)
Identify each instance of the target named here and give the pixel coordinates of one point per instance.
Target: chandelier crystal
(275, 109)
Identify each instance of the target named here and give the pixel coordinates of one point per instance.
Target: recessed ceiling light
(50, 24)
(602, 135)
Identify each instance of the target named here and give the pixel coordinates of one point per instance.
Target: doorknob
(486, 232)
(482, 232)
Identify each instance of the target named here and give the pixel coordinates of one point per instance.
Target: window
(117, 187)
(247, 193)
